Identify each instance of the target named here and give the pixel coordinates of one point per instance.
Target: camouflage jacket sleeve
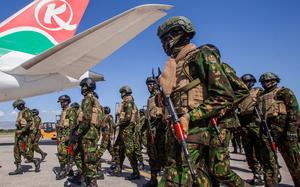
(27, 115)
(86, 108)
(288, 97)
(37, 122)
(111, 124)
(72, 116)
(240, 89)
(220, 93)
(127, 109)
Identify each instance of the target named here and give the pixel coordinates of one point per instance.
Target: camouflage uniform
(138, 143)
(87, 132)
(280, 108)
(36, 135)
(67, 120)
(202, 90)
(128, 116)
(155, 135)
(107, 134)
(236, 140)
(251, 133)
(23, 144)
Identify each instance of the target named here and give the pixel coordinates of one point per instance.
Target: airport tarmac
(46, 178)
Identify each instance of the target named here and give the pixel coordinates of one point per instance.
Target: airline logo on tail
(55, 15)
(41, 25)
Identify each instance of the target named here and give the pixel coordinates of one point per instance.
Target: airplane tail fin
(41, 25)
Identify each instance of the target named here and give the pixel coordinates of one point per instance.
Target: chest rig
(270, 106)
(189, 92)
(247, 105)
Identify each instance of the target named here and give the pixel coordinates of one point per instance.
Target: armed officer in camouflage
(106, 141)
(280, 108)
(251, 130)
(156, 131)
(86, 135)
(128, 119)
(36, 135)
(68, 121)
(23, 144)
(76, 152)
(200, 92)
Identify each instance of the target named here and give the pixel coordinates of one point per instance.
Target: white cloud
(2, 113)
(14, 113)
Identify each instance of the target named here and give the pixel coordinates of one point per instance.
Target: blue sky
(254, 36)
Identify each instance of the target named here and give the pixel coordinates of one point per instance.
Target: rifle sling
(189, 86)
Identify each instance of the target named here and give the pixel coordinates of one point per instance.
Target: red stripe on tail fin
(58, 18)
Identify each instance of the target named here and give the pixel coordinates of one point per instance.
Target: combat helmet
(142, 111)
(75, 105)
(35, 112)
(125, 90)
(106, 110)
(176, 22)
(150, 80)
(88, 83)
(268, 77)
(18, 102)
(248, 77)
(63, 98)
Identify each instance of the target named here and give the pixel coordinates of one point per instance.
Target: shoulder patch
(212, 59)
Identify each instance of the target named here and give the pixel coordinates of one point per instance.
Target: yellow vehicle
(48, 130)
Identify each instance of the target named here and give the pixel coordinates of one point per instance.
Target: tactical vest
(64, 121)
(134, 112)
(154, 110)
(96, 111)
(271, 107)
(246, 107)
(189, 92)
(21, 121)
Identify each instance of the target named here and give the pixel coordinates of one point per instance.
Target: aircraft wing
(80, 53)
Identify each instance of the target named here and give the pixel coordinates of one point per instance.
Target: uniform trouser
(35, 138)
(268, 161)
(138, 147)
(176, 168)
(252, 145)
(156, 150)
(236, 139)
(23, 147)
(89, 167)
(105, 145)
(119, 152)
(219, 159)
(290, 152)
(62, 152)
(77, 157)
(125, 144)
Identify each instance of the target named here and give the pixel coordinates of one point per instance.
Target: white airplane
(39, 54)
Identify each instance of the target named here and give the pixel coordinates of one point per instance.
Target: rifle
(177, 126)
(116, 122)
(267, 132)
(147, 116)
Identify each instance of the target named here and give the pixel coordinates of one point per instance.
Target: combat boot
(151, 183)
(100, 175)
(43, 156)
(37, 164)
(133, 176)
(18, 170)
(91, 183)
(62, 173)
(76, 179)
(257, 179)
(141, 166)
(117, 172)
